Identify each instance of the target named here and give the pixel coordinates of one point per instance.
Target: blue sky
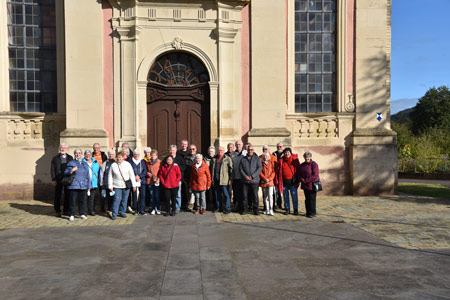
(420, 47)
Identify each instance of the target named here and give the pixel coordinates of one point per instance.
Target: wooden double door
(178, 113)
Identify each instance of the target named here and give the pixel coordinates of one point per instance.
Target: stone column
(373, 153)
(4, 61)
(268, 73)
(84, 81)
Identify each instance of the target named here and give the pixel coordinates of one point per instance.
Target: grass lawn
(423, 189)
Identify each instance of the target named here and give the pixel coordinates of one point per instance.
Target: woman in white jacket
(119, 174)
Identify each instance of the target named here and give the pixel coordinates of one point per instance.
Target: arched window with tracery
(178, 69)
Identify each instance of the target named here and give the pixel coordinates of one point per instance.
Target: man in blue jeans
(179, 160)
(286, 179)
(222, 170)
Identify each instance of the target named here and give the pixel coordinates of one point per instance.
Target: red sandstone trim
(350, 14)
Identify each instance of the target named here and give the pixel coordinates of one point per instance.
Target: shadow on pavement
(341, 238)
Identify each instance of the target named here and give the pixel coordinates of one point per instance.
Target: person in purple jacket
(307, 174)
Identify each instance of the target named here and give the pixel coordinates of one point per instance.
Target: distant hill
(402, 104)
(402, 116)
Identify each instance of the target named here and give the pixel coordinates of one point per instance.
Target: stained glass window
(315, 56)
(32, 55)
(178, 69)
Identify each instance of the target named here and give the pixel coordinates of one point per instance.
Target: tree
(432, 110)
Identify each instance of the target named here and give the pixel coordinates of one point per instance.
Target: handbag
(128, 183)
(294, 179)
(317, 186)
(67, 179)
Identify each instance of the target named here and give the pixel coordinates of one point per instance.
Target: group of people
(128, 181)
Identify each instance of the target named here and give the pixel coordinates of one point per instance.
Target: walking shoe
(295, 212)
(158, 212)
(167, 214)
(197, 211)
(71, 218)
(113, 217)
(244, 212)
(83, 217)
(92, 213)
(130, 210)
(153, 212)
(142, 214)
(123, 215)
(256, 213)
(136, 214)
(227, 212)
(271, 212)
(172, 213)
(58, 214)
(287, 212)
(216, 210)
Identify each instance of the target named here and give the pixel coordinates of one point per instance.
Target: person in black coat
(58, 165)
(250, 168)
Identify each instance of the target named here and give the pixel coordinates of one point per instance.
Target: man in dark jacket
(250, 168)
(189, 160)
(58, 165)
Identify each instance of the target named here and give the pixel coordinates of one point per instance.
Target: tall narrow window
(315, 55)
(32, 55)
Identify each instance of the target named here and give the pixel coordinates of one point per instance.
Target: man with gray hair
(57, 167)
(236, 176)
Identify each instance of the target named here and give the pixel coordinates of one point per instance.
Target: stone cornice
(130, 3)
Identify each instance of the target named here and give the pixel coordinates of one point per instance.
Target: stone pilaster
(268, 76)
(373, 153)
(83, 74)
(229, 58)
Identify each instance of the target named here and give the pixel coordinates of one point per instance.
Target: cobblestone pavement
(412, 222)
(35, 214)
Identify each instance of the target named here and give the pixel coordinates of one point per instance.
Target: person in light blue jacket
(93, 195)
(80, 184)
(140, 171)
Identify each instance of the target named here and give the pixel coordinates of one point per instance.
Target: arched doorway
(178, 105)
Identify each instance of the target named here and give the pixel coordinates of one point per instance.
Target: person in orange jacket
(200, 181)
(267, 176)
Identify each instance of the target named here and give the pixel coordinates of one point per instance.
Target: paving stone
(388, 248)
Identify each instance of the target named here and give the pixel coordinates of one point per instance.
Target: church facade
(313, 74)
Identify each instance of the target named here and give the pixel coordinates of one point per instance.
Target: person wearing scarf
(80, 184)
(285, 179)
(140, 171)
(153, 163)
(200, 182)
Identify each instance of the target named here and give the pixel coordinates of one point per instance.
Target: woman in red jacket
(170, 177)
(286, 180)
(200, 181)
